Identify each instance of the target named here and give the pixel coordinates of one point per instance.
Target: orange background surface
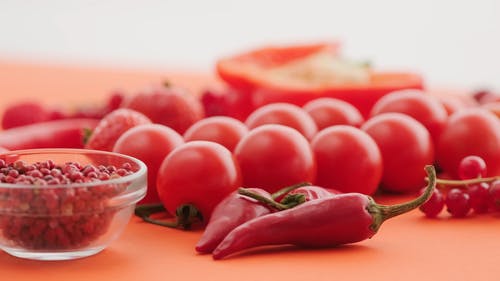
(408, 247)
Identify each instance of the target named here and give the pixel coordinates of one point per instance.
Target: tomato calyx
(186, 215)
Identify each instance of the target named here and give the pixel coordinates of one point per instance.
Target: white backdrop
(450, 42)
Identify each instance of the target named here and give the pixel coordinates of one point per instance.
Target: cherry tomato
(406, 147)
(329, 111)
(274, 156)
(197, 173)
(473, 131)
(169, 106)
(348, 160)
(424, 108)
(220, 129)
(284, 114)
(150, 143)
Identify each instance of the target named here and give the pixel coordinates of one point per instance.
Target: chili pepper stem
(382, 213)
(287, 189)
(268, 201)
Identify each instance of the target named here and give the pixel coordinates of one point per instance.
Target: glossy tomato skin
(329, 111)
(220, 129)
(348, 160)
(150, 143)
(424, 108)
(200, 173)
(284, 114)
(406, 147)
(274, 156)
(473, 131)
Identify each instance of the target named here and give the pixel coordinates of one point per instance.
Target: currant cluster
(473, 191)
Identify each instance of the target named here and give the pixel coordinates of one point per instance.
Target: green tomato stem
(186, 215)
(146, 210)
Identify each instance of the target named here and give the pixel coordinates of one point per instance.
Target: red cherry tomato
(274, 156)
(220, 129)
(406, 147)
(473, 131)
(150, 143)
(348, 160)
(329, 111)
(197, 173)
(284, 114)
(424, 108)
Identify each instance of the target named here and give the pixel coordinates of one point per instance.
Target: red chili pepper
(66, 133)
(237, 209)
(341, 219)
(234, 210)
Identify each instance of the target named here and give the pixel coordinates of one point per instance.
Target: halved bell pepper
(300, 73)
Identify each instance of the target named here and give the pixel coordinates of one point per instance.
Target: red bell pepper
(300, 73)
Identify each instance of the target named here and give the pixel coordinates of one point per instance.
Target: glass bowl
(65, 219)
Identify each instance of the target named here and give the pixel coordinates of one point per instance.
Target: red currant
(494, 194)
(458, 203)
(434, 205)
(471, 167)
(479, 197)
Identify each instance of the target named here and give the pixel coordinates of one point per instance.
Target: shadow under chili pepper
(297, 250)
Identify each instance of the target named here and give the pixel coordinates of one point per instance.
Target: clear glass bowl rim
(121, 180)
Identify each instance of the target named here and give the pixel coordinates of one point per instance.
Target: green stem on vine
(465, 182)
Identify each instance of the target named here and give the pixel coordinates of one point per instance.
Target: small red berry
(434, 205)
(472, 167)
(457, 203)
(479, 197)
(494, 196)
